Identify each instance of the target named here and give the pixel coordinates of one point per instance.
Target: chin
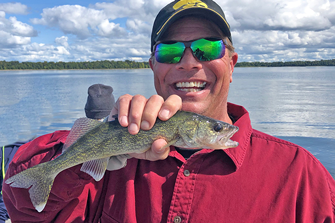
(193, 107)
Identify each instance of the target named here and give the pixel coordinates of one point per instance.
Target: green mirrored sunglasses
(205, 49)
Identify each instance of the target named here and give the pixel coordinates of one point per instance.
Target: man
(264, 179)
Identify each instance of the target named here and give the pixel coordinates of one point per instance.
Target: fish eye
(218, 127)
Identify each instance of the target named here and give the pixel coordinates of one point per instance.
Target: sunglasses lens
(206, 50)
(169, 52)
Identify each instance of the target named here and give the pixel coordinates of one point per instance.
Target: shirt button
(177, 219)
(187, 173)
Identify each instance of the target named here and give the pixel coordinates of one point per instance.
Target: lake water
(293, 103)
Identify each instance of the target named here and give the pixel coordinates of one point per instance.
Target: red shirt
(264, 179)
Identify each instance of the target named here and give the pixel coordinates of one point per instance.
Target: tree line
(287, 64)
(128, 64)
(106, 64)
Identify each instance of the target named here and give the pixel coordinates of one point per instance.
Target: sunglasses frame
(187, 44)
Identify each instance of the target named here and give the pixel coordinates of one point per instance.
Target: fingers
(150, 112)
(121, 109)
(171, 105)
(156, 152)
(157, 107)
(137, 112)
(136, 109)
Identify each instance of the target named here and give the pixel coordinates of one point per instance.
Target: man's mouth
(193, 86)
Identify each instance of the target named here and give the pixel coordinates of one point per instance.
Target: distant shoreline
(288, 64)
(87, 65)
(111, 65)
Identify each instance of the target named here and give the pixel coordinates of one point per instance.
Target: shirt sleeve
(72, 192)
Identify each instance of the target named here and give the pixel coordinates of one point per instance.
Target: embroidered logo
(184, 4)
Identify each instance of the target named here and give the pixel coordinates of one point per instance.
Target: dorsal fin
(79, 128)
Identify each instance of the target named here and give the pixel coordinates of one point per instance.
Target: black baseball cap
(180, 8)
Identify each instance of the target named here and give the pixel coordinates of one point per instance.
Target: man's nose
(188, 61)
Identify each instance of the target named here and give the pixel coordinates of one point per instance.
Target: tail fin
(39, 181)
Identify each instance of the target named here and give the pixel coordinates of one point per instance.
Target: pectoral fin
(170, 144)
(95, 168)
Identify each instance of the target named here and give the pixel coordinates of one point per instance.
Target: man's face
(210, 79)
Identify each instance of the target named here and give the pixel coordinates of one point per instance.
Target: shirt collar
(242, 136)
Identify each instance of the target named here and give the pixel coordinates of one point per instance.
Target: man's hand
(137, 112)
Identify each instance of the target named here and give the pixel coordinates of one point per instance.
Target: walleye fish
(92, 142)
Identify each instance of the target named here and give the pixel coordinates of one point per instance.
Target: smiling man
(264, 179)
(201, 83)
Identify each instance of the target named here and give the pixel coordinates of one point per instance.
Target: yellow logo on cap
(184, 4)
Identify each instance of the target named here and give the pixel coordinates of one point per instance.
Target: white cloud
(106, 28)
(61, 50)
(278, 15)
(62, 41)
(111, 49)
(71, 19)
(13, 32)
(298, 16)
(98, 19)
(138, 26)
(14, 8)
(80, 21)
(8, 40)
(19, 28)
(144, 10)
(284, 46)
(35, 52)
(114, 10)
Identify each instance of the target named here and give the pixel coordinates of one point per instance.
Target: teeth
(190, 89)
(191, 84)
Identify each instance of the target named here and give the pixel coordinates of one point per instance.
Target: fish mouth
(190, 86)
(224, 138)
(235, 129)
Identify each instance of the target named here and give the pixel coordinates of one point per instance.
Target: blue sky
(86, 30)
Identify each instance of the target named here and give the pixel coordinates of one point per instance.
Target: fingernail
(124, 121)
(164, 114)
(145, 125)
(162, 149)
(133, 128)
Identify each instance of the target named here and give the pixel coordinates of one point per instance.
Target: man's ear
(233, 62)
(234, 59)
